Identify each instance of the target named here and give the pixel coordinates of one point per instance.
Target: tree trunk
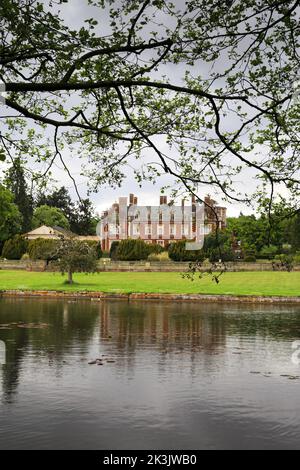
(70, 277)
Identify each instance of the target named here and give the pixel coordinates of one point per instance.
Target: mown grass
(242, 283)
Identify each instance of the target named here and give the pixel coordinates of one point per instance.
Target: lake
(173, 375)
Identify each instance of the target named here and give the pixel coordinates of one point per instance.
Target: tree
(294, 232)
(113, 90)
(82, 219)
(257, 233)
(16, 183)
(81, 216)
(252, 232)
(59, 198)
(50, 216)
(75, 256)
(10, 217)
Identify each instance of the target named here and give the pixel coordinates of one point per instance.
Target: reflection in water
(185, 375)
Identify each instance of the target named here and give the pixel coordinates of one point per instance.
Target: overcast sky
(74, 13)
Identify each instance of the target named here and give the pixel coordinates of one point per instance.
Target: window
(113, 229)
(148, 230)
(136, 229)
(205, 229)
(160, 230)
(185, 230)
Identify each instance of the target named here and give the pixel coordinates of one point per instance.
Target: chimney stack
(135, 200)
(131, 199)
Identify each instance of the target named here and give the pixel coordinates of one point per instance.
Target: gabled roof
(43, 230)
(64, 231)
(55, 232)
(50, 231)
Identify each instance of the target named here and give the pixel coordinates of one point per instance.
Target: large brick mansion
(162, 224)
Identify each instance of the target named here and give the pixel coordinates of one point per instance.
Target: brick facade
(162, 224)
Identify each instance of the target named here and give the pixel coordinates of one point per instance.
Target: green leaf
(2, 155)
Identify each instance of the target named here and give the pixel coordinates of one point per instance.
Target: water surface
(185, 376)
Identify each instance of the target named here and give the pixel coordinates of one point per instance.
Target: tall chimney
(131, 199)
(161, 200)
(135, 200)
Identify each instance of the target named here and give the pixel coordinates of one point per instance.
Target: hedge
(15, 247)
(177, 252)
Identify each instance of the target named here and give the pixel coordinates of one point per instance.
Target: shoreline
(102, 296)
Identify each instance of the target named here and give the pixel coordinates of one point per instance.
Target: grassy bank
(242, 283)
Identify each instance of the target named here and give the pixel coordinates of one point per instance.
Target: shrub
(163, 256)
(268, 251)
(177, 252)
(114, 250)
(15, 247)
(297, 258)
(283, 262)
(132, 250)
(154, 248)
(218, 247)
(224, 255)
(42, 248)
(286, 248)
(250, 256)
(250, 259)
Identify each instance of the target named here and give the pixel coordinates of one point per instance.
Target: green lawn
(243, 283)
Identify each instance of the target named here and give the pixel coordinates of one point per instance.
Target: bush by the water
(177, 252)
(15, 247)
